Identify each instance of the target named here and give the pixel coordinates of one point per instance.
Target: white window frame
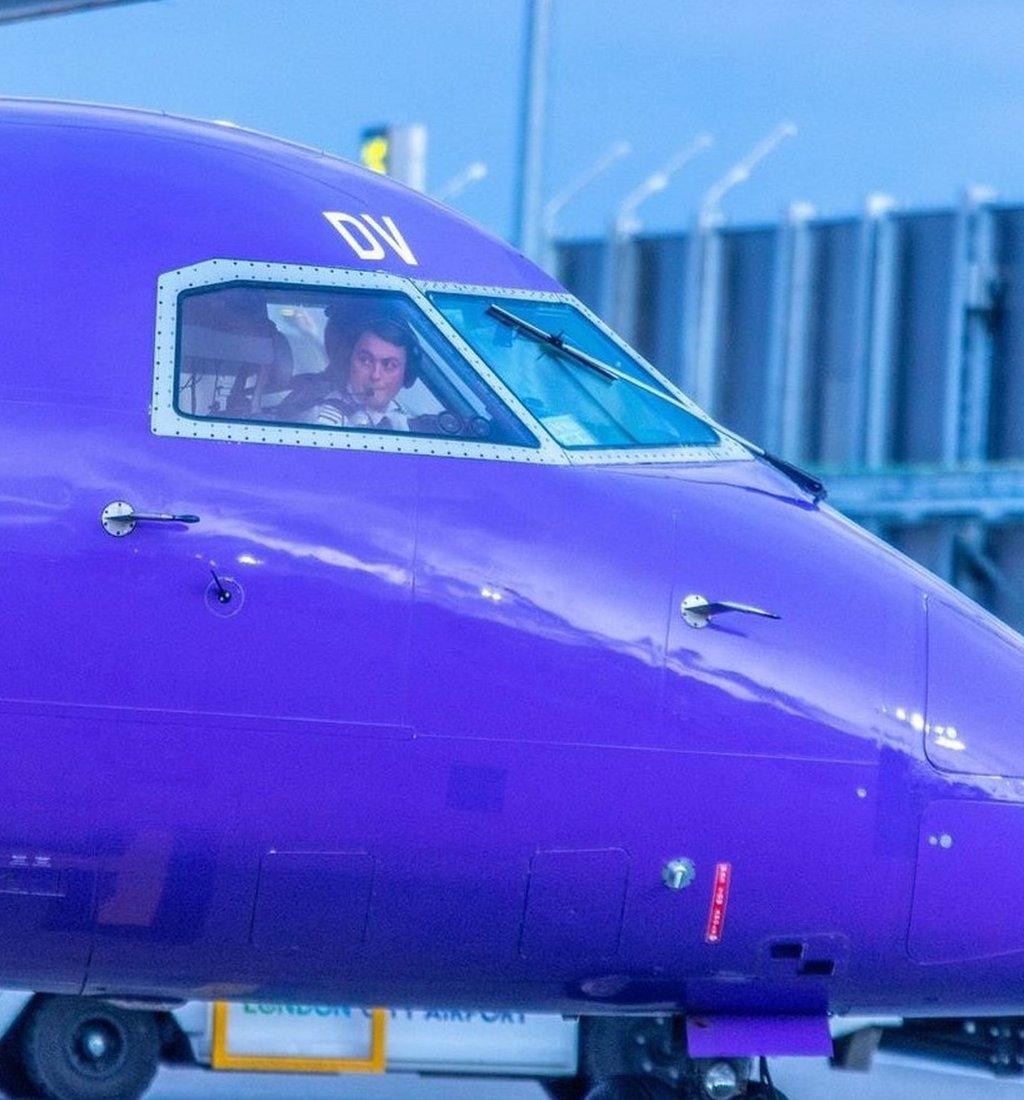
(165, 419)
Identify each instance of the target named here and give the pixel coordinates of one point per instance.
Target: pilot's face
(376, 370)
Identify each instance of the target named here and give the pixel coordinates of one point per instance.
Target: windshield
(550, 355)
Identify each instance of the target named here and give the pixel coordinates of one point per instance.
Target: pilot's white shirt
(392, 417)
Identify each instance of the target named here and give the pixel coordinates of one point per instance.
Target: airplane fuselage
(451, 739)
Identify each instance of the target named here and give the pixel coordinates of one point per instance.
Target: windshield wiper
(559, 343)
(553, 339)
(808, 482)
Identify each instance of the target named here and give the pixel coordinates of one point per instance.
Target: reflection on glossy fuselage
(444, 744)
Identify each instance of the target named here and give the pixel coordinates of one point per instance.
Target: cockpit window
(581, 385)
(354, 359)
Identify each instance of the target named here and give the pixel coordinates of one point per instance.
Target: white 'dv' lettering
(366, 236)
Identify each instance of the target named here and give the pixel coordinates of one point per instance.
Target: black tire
(757, 1091)
(631, 1088)
(77, 1048)
(14, 1082)
(564, 1088)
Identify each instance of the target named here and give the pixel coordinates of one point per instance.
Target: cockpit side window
(340, 359)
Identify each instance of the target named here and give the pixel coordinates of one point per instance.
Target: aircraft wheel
(14, 1082)
(631, 1088)
(77, 1048)
(564, 1088)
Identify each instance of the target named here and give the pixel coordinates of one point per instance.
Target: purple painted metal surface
(736, 1036)
(955, 860)
(967, 732)
(444, 749)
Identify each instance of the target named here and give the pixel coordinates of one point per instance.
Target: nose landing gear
(646, 1058)
(721, 1080)
(632, 1088)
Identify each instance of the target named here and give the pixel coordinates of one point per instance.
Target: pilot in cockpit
(371, 360)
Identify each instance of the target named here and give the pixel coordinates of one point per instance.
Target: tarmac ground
(799, 1078)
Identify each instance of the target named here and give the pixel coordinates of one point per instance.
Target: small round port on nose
(224, 596)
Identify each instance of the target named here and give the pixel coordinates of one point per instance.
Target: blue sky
(914, 97)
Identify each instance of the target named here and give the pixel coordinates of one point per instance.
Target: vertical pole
(854, 452)
(408, 156)
(693, 279)
(625, 261)
(866, 411)
(975, 416)
(700, 322)
(880, 364)
(969, 340)
(979, 349)
(778, 334)
(965, 417)
(952, 406)
(705, 381)
(952, 410)
(529, 176)
(793, 436)
(785, 342)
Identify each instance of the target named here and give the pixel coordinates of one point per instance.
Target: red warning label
(719, 900)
